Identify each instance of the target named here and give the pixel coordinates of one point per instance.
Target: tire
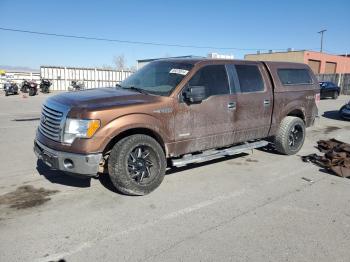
(6, 93)
(335, 95)
(129, 168)
(290, 135)
(32, 92)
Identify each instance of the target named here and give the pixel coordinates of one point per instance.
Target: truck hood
(102, 98)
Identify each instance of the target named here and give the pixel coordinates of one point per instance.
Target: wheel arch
(297, 113)
(134, 131)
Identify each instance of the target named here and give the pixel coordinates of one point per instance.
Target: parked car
(329, 89)
(344, 111)
(176, 112)
(10, 88)
(29, 87)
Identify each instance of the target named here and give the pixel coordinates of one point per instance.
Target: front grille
(50, 123)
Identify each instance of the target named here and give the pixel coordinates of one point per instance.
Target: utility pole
(322, 32)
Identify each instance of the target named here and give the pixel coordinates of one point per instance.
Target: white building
(18, 77)
(220, 56)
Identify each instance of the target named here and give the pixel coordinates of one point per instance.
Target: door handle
(231, 105)
(266, 102)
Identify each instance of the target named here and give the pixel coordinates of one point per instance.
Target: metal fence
(61, 77)
(342, 80)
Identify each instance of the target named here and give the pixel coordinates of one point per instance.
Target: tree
(132, 68)
(120, 62)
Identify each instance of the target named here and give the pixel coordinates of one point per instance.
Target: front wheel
(290, 135)
(137, 165)
(335, 95)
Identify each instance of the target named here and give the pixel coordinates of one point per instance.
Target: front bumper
(69, 162)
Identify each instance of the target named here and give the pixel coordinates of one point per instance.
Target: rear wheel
(137, 165)
(290, 136)
(335, 95)
(32, 92)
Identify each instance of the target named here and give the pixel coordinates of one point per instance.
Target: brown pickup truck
(175, 112)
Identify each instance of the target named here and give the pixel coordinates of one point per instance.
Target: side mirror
(195, 94)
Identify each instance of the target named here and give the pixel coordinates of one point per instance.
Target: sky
(245, 25)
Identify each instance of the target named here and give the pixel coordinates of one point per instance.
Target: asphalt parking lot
(253, 207)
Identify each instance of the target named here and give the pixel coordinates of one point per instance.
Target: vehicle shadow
(270, 148)
(59, 177)
(330, 172)
(333, 114)
(107, 183)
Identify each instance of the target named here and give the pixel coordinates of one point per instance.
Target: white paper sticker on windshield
(178, 71)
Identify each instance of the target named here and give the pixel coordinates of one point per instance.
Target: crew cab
(174, 112)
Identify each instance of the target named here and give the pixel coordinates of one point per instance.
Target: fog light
(68, 163)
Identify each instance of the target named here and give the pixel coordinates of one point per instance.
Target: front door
(208, 124)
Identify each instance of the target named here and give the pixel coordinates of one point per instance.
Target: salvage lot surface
(253, 207)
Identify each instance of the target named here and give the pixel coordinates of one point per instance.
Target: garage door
(315, 65)
(330, 68)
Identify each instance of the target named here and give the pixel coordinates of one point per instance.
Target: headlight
(79, 128)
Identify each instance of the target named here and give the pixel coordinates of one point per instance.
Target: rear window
(294, 76)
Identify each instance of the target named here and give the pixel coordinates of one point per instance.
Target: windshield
(158, 78)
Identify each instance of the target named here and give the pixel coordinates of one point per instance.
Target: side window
(250, 79)
(294, 76)
(214, 78)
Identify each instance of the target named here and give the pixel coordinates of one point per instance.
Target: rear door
(254, 100)
(210, 123)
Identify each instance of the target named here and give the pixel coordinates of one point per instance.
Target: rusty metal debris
(335, 159)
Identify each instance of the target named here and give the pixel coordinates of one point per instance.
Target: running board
(217, 153)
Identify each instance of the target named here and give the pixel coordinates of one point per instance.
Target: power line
(130, 42)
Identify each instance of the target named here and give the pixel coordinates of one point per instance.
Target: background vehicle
(329, 89)
(175, 112)
(29, 87)
(10, 88)
(45, 86)
(344, 111)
